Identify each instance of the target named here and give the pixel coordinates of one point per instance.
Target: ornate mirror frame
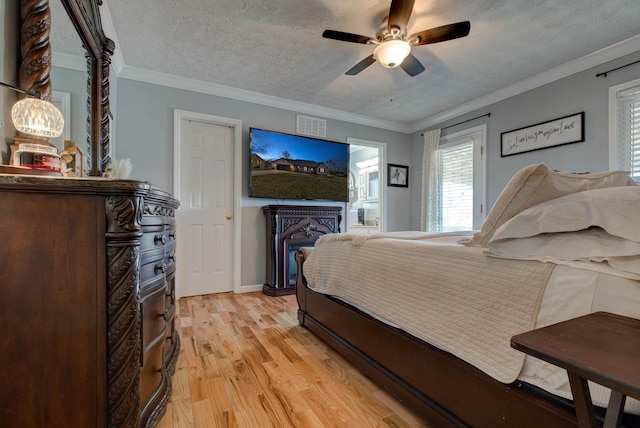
(85, 16)
(36, 64)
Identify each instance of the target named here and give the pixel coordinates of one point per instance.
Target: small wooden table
(600, 347)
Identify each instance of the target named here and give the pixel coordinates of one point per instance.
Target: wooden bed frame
(441, 388)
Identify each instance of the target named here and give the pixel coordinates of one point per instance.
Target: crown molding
(586, 62)
(163, 79)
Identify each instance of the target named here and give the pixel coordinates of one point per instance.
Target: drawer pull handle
(172, 256)
(159, 238)
(167, 314)
(161, 267)
(172, 294)
(173, 234)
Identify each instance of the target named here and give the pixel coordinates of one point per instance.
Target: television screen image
(285, 166)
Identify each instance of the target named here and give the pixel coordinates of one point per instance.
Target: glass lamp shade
(37, 117)
(392, 52)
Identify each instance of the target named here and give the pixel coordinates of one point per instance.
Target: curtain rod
(464, 121)
(604, 73)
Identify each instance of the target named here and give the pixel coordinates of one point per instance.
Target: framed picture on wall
(397, 175)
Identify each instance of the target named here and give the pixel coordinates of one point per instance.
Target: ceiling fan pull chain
(391, 89)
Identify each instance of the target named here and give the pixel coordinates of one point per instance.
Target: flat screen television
(285, 166)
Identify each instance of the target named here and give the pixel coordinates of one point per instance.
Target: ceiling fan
(393, 46)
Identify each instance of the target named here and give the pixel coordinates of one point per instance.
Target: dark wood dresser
(87, 298)
(290, 227)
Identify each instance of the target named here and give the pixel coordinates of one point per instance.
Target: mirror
(68, 80)
(85, 16)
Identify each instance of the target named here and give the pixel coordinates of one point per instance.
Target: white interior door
(206, 214)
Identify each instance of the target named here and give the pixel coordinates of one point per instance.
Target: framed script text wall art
(565, 130)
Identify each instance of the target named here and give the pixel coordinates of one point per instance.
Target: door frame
(382, 176)
(236, 125)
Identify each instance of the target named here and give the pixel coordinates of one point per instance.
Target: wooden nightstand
(600, 347)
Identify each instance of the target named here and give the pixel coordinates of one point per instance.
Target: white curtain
(431, 195)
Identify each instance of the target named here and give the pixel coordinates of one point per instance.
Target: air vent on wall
(311, 126)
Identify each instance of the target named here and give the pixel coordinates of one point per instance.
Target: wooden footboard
(443, 389)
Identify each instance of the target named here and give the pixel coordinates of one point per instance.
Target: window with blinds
(456, 186)
(456, 182)
(627, 141)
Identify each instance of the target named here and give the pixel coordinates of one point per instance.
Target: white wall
(145, 135)
(573, 94)
(74, 82)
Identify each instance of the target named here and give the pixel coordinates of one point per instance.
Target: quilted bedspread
(452, 296)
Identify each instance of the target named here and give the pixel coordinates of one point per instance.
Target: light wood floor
(245, 362)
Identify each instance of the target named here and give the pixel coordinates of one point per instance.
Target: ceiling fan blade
(399, 14)
(361, 66)
(412, 66)
(440, 34)
(347, 37)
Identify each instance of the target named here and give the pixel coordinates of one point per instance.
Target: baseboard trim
(250, 288)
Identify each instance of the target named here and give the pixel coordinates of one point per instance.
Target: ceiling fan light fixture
(392, 52)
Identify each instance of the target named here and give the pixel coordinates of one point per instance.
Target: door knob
(229, 216)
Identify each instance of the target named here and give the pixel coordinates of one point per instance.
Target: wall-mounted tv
(285, 166)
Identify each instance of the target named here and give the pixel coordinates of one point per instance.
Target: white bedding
(422, 286)
(569, 292)
(584, 229)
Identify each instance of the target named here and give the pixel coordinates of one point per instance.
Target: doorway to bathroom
(366, 208)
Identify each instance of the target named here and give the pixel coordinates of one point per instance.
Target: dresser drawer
(153, 268)
(153, 313)
(170, 260)
(171, 235)
(152, 238)
(170, 297)
(151, 374)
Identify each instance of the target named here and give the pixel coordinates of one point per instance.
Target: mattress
(565, 292)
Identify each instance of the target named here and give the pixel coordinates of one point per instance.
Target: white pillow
(597, 230)
(590, 244)
(538, 183)
(616, 210)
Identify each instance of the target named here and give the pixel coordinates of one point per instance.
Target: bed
(430, 316)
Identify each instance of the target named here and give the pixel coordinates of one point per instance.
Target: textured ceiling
(275, 47)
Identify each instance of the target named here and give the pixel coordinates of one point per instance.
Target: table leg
(582, 401)
(614, 410)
